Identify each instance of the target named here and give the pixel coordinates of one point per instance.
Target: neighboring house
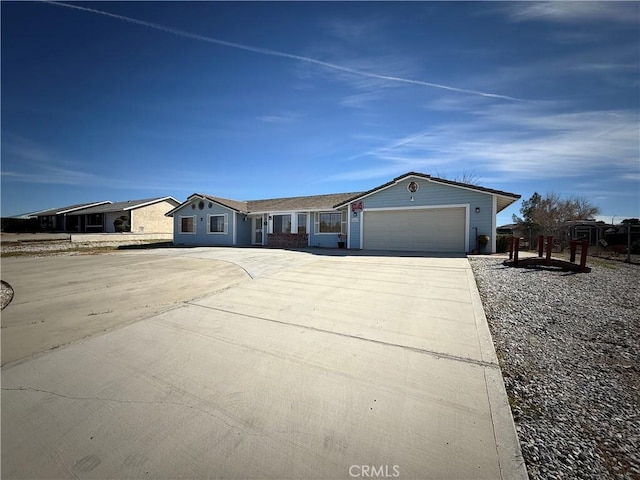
(139, 216)
(146, 215)
(58, 219)
(413, 212)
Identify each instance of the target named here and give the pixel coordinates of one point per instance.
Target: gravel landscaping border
(569, 348)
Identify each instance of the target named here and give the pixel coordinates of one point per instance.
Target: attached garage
(416, 229)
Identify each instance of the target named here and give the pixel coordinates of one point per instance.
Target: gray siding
(324, 240)
(243, 229)
(354, 222)
(201, 237)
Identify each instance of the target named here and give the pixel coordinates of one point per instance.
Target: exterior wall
(431, 194)
(353, 228)
(109, 217)
(243, 229)
(201, 237)
(151, 219)
(324, 240)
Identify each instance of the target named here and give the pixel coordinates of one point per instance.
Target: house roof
(336, 200)
(67, 209)
(507, 197)
(123, 206)
(312, 202)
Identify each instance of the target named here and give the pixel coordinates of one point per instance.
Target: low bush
(502, 243)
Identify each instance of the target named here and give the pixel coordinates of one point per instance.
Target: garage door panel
(433, 230)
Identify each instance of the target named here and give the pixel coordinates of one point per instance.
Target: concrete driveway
(314, 366)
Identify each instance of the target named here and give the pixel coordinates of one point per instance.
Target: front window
(330, 222)
(217, 224)
(187, 225)
(94, 219)
(302, 223)
(282, 224)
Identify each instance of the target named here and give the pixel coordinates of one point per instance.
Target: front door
(257, 230)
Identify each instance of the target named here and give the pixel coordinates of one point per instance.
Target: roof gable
(512, 196)
(124, 206)
(336, 200)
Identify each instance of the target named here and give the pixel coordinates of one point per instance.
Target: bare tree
(468, 177)
(548, 215)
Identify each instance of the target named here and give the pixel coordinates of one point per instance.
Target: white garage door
(429, 230)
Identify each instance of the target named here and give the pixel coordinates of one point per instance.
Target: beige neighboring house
(137, 216)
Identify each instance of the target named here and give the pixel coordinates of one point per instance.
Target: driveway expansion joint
(423, 351)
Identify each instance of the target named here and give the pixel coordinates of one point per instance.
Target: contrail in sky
(275, 53)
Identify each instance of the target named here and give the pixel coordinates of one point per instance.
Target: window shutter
(343, 224)
(316, 222)
(225, 222)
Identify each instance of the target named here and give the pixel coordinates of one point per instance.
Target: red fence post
(540, 245)
(510, 248)
(574, 245)
(583, 255)
(516, 248)
(549, 246)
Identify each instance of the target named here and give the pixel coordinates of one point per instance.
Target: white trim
(195, 224)
(302, 209)
(253, 221)
(189, 201)
(348, 227)
(467, 226)
(225, 223)
(335, 212)
(75, 209)
(235, 214)
(427, 179)
(419, 207)
(494, 213)
(157, 200)
(291, 215)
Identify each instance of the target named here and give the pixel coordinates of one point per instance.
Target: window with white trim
(217, 223)
(282, 224)
(331, 222)
(188, 224)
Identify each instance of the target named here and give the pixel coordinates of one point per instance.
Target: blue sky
(260, 100)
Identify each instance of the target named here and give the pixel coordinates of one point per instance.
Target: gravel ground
(65, 247)
(569, 347)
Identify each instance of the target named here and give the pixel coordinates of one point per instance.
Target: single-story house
(57, 219)
(413, 212)
(146, 215)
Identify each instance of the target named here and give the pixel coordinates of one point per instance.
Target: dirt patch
(62, 299)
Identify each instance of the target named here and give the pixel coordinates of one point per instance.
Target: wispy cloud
(26, 161)
(572, 11)
(53, 176)
(514, 142)
(283, 117)
(276, 53)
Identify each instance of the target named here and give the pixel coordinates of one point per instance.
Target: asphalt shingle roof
(121, 206)
(67, 209)
(335, 200)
